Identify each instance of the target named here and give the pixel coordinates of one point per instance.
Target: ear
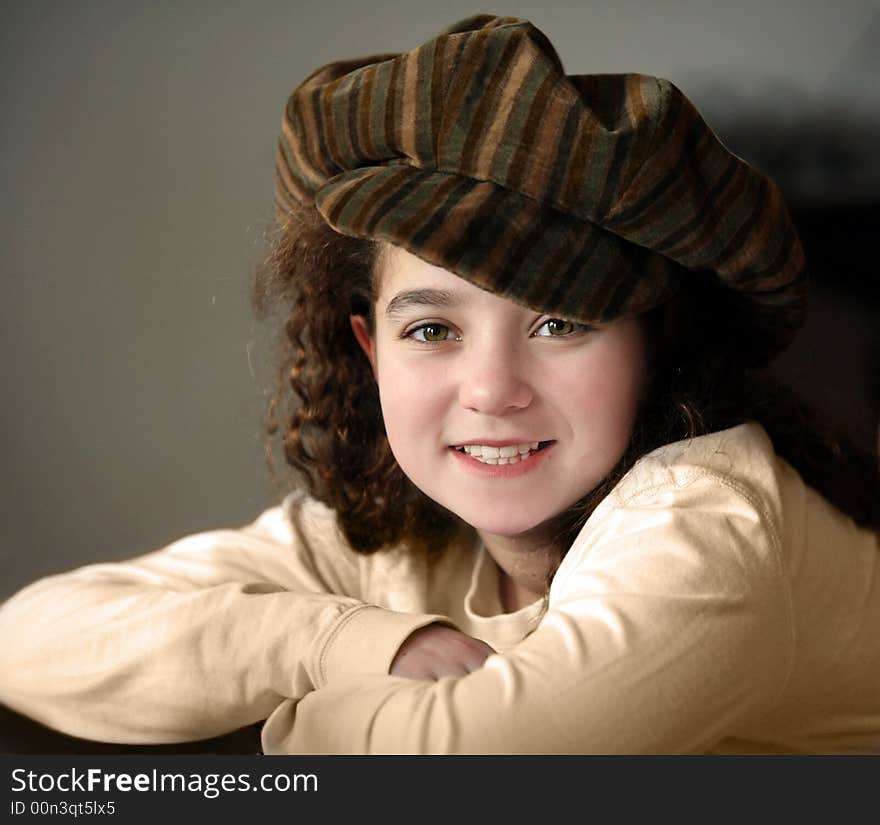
(362, 334)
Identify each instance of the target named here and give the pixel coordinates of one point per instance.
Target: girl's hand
(435, 650)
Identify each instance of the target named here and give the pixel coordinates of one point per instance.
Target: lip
(521, 468)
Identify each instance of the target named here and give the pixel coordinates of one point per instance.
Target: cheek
(615, 390)
(411, 404)
(607, 396)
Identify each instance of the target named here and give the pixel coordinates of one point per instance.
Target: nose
(493, 378)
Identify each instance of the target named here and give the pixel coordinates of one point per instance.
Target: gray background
(137, 151)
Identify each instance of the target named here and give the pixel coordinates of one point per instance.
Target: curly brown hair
(334, 437)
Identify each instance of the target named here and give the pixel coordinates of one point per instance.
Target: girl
(548, 503)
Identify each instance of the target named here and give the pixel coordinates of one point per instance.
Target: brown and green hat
(589, 197)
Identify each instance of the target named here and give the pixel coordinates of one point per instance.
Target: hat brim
(500, 241)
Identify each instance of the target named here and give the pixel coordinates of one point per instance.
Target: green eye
(431, 333)
(556, 327)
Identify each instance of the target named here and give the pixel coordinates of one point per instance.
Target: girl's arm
(669, 629)
(205, 636)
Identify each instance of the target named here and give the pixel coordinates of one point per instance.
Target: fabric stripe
(625, 277)
(571, 185)
(341, 118)
(558, 260)
(458, 130)
(514, 214)
(391, 129)
(512, 264)
(367, 104)
(737, 219)
(675, 204)
(606, 122)
(288, 177)
(409, 84)
(736, 240)
(352, 119)
(619, 152)
(570, 277)
(609, 268)
(642, 141)
(488, 230)
(671, 199)
(439, 71)
(332, 201)
(433, 212)
(672, 148)
(529, 260)
(477, 143)
(541, 164)
(699, 244)
(370, 217)
(423, 143)
(531, 129)
(502, 168)
(701, 209)
(761, 237)
(457, 88)
(497, 129)
(458, 234)
(773, 275)
(319, 140)
(325, 115)
(788, 265)
(378, 134)
(299, 122)
(562, 158)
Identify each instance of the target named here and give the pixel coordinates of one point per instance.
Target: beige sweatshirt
(712, 602)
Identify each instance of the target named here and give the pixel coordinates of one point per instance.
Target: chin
(507, 524)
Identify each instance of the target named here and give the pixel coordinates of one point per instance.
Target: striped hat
(586, 197)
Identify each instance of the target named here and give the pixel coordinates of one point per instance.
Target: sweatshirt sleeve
(669, 628)
(202, 637)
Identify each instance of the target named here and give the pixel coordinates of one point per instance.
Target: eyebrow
(409, 298)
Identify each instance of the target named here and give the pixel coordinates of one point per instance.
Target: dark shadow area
(835, 361)
(841, 245)
(19, 735)
(822, 152)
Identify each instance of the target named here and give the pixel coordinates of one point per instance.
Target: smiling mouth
(509, 454)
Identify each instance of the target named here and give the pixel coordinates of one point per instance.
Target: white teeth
(509, 454)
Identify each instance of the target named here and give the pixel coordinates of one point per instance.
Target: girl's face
(500, 414)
